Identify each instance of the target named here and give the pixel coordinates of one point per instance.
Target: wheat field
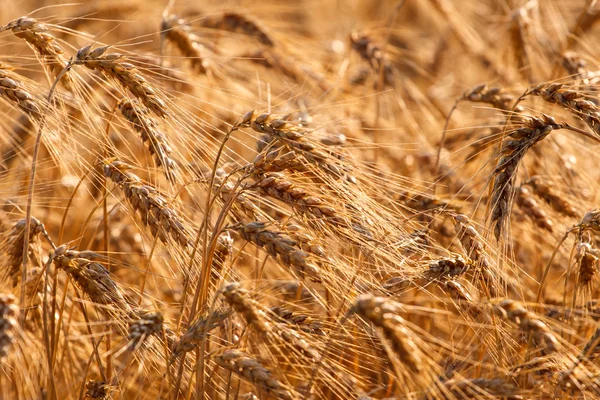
(336, 199)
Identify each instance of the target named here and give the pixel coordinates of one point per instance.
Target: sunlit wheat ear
(239, 299)
(476, 248)
(254, 372)
(357, 274)
(281, 247)
(198, 331)
(296, 139)
(151, 135)
(577, 68)
(303, 322)
(572, 100)
(45, 45)
(372, 52)
(382, 313)
(94, 280)
(9, 313)
(276, 160)
(153, 208)
(305, 240)
(140, 330)
(223, 251)
(34, 295)
(13, 91)
(591, 220)
(447, 268)
(98, 390)
(239, 23)
(586, 258)
(546, 190)
(126, 74)
(277, 186)
(243, 206)
(13, 247)
(530, 206)
(176, 31)
(482, 388)
(512, 153)
(462, 297)
(496, 97)
(527, 321)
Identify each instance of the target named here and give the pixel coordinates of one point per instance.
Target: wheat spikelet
(462, 297)
(149, 324)
(587, 259)
(305, 240)
(250, 309)
(473, 244)
(448, 268)
(422, 202)
(577, 68)
(223, 250)
(532, 208)
(37, 36)
(238, 299)
(276, 186)
(176, 31)
(13, 246)
(153, 208)
(475, 388)
(243, 206)
(94, 280)
(382, 313)
(527, 321)
(370, 51)
(98, 390)
(495, 96)
(578, 380)
(280, 247)
(303, 322)
(9, 313)
(253, 371)
(591, 220)
(13, 91)
(546, 191)
(513, 151)
(150, 133)
(198, 331)
(240, 23)
(275, 160)
(125, 73)
(571, 100)
(295, 138)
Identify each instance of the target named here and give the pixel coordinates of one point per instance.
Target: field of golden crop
(311, 199)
